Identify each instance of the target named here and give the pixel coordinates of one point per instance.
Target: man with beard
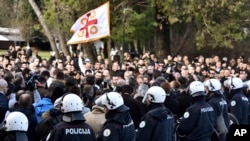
(99, 78)
(97, 66)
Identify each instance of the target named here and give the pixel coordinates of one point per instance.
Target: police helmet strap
(61, 103)
(151, 97)
(112, 105)
(232, 84)
(211, 85)
(188, 91)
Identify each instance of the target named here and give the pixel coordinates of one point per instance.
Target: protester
(96, 118)
(24, 105)
(184, 99)
(135, 107)
(76, 73)
(45, 104)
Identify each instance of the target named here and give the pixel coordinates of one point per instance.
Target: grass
(43, 54)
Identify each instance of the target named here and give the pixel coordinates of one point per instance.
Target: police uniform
(72, 131)
(239, 106)
(73, 126)
(198, 121)
(220, 107)
(118, 127)
(157, 125)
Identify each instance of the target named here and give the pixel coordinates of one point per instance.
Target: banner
(93, 25)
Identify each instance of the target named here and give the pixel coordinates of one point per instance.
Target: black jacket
(158, 125)
(118, 127)
(221, 111)
(4, 106)
(134, 109)
(239, 106)
(44, 127)
(185, 100)
(172, 104)
(198, 121)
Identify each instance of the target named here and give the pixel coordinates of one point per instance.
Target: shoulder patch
(233, 103)
(186, 115)
(142, 124)
(106, 132)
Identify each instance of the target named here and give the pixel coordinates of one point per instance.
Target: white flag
(92, 26)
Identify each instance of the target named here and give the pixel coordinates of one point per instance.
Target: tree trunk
(139, 48)
(162, 46)
(62, 43)
(132, 49)
(45, 27)
(88, 49)
(183, 39)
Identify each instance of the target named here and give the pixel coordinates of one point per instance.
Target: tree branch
(180, 46)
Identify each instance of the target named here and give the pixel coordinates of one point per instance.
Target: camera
(212, 63)
(171, 66)
(32, 80)
(164, 69)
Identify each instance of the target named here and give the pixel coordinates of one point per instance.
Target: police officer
(198, 122)
(158, 123)
(16, 126)
(216, 99)
(119, 125)
(239, 104)
(73, 126)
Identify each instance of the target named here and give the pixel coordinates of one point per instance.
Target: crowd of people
(138, 98)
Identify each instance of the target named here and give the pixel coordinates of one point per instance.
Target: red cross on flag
(92, 26)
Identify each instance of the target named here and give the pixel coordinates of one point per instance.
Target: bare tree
(44, 25)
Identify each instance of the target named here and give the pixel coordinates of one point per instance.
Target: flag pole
(109, 49)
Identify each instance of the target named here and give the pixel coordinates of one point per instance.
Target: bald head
(3, 86)
(25, 100)
(3, 83)
(121, 82)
